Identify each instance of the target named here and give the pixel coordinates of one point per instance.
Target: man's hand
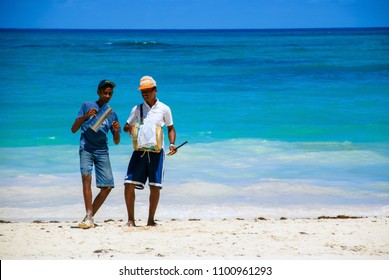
(91, 113)
(116, 126)
(172, 149)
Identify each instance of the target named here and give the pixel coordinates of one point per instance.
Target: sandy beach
(338, 237)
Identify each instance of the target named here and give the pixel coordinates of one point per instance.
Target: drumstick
(179, 146)
(176, 148)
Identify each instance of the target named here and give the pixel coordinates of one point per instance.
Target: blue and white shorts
(145, 165)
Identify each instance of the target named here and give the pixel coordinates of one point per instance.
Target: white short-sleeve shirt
(158, 114)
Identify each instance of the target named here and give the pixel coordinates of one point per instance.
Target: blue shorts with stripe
(145, 165)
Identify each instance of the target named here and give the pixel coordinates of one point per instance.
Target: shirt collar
(147, 105)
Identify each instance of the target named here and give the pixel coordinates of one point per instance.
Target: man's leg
(87, 192)
(86, 166)
(100, 198)
(104, 180)
(129, 196)
(154, 199)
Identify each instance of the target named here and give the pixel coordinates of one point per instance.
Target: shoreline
(325, 238)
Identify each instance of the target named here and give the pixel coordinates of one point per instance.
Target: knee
(154, 189)
(86, 176)
(105, 190)
(86, 180)
(129, 186)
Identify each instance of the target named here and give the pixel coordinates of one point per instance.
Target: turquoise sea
(290, 122)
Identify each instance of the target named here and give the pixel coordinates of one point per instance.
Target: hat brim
(146, 87)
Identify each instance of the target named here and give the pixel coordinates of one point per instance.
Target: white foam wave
(222, 178)
(75, 213)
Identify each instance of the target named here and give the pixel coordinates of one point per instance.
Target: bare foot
(131, 224)
(152, 224)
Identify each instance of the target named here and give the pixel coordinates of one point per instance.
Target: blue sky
(193, 14)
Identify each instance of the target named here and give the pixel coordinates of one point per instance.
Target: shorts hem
(158, 185)
(138, 185)
(105, 186)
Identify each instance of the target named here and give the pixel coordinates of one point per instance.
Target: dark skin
(149, 96)
(105, 95)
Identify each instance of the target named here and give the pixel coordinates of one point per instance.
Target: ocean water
(288, 123)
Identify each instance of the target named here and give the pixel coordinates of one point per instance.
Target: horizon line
(187, 29)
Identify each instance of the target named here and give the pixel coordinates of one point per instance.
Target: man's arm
(116, 134)
(79, 121)
(171, 133)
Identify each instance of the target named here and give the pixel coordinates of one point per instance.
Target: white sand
(271, 239)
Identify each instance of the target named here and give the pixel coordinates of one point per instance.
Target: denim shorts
(103, 170)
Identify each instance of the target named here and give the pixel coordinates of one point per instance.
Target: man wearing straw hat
(148, 156)
(96, 119)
